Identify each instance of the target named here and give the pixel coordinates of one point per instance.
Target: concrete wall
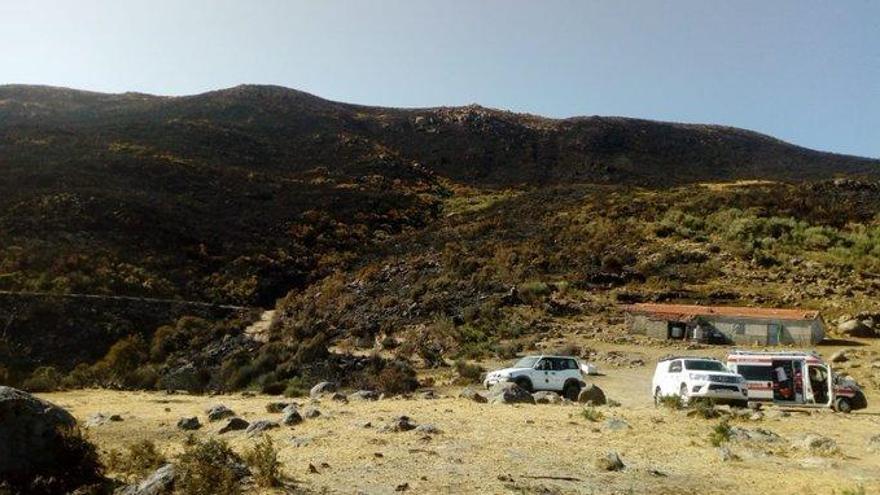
(742, 331)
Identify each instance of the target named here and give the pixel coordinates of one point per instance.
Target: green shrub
(263, 461)
(468, 372)
(208, 468)
(43, 379)
(704, 408)
(592, 414)
(720, 434)
(533, 292)
(296, 387)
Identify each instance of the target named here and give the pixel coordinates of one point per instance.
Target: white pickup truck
(562, 374)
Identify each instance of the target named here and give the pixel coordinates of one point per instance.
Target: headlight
(699, 377)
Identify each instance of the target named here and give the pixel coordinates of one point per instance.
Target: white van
(778, 377)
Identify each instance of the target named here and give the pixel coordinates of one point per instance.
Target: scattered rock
(322, 388)
(161, 482)
(592, 394)
(234, 424)
(258, 427)
(402, 487)
(96, 419)
(311, 412)
(218, 412)
(363, 395)
(276, 407)
(291, 417)
(189, 423)
(546, 397)
(509, 393)
(428, 429)
(756, 416)
(338, 397)
(400, 423)
(429, 394)
(471, 394)
(610, 462)
(777, 414)
(616, 424)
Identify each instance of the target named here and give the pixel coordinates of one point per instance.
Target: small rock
(189, 423)
(471, 394)
(291, 417)
(428, 429)
(363, 395)
(777, 414)
(400, 423)
(402, 487)
(338, 397)
(313, 469)
(218, 412)
(161, 482)
(817, 443)
(592, 394)
(756, 435)
(874, 443)
(234, 424)
(258, 427)
(429, 394)
(96, 419)
(726, 454)
(610, 462)
(115, 417)
(616, 424)
(322, 388)
(545, 397)
(311, 412)
(301, 441)
(856, 328)
(839, 356)
(276, 407)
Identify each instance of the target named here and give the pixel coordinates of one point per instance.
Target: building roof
(689, 311)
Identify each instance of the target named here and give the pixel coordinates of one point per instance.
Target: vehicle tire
(524, 383)
(842, 404)
(657, 397)
(742, 404)
(683, 393)
(571, 390)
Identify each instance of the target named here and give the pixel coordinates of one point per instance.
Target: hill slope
(242, 195)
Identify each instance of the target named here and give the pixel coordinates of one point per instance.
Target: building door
(774, 334)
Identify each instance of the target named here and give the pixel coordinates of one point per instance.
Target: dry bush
(138, 459)
(263, 460)
(468, 372)
(209, 468)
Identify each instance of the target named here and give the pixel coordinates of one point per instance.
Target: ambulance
(798, 379)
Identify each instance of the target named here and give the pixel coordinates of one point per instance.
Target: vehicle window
(526, 362)
(544, 365)
(754, 373)
(572, 364)
(703, 365)
(557, 364)
(675, 367)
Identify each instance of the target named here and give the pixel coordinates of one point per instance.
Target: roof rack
(670, 357)
(775, 353)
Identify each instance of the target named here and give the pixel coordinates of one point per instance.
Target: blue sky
(804, 71)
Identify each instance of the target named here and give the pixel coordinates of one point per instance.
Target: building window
(739, 328)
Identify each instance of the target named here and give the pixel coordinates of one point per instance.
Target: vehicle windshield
(526, 362)
(704, 365)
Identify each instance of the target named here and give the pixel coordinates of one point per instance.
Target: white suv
(555, 373)
(694, 377)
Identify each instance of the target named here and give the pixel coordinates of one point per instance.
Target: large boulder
(188, 424)
(39, 440)
(218, 412)
(546, 397)
(234, 424)
(509, 393)
(855, 328)
(593, 395)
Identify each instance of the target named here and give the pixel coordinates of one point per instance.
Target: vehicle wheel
(743, 404)
(683, 393)
(842, 404)
(571, 391)
(524, 384)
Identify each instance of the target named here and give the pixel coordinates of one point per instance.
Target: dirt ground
(518, 449)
